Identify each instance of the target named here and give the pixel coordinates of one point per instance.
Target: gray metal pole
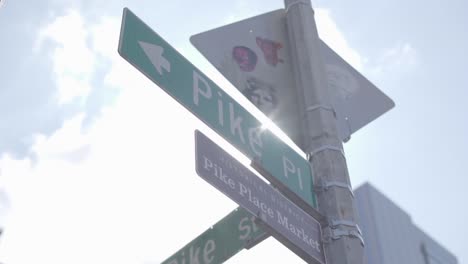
(343, 241)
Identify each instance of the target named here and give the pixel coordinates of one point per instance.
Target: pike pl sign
(288, 223)
(161, 63)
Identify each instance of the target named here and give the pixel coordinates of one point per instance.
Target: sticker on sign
(254, 55)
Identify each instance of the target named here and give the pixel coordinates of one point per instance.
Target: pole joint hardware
(313, 152)
(324, 186)
(338, 228)
(335, 223)
(321, 106)
(335, 234)
(303, 2)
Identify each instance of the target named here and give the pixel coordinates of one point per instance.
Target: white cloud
(393, 61)
(73, 61)
(400, 58)
(330, 34)
(238, 13)
(105, 37)
(119, 203)
(66, 140)
(401, 54)
(111, 204)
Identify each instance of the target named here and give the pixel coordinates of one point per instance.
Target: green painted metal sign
(220, 242)
(161, 63)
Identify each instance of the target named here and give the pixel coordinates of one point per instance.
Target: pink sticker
(245, 58)
(270, 50)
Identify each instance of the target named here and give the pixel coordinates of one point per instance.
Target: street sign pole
(343, 240)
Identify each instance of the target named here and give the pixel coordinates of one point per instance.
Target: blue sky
(97, 162)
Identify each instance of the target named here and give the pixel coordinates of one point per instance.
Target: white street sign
(288, 223)
(254, 55)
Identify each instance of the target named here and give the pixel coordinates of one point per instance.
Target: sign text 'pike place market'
(287, 222)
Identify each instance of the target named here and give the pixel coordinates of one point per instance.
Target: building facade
(390, 235)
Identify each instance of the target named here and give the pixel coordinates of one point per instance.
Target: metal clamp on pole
(348, 125)
(313, 152)
(335, 234)
(334, 223)
(324, 186)
(321, 106)
(304, 2)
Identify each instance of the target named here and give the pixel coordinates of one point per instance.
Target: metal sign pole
(342, 238)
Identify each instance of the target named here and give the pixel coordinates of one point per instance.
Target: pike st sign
(220, 242)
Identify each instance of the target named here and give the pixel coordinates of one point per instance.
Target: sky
(97, 162)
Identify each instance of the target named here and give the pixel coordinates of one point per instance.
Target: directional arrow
(144, 49)
(154, 53)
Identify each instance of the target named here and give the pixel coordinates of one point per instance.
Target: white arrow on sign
(154, 53)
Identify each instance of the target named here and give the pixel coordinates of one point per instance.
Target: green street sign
(220, 242)
(161, 63)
